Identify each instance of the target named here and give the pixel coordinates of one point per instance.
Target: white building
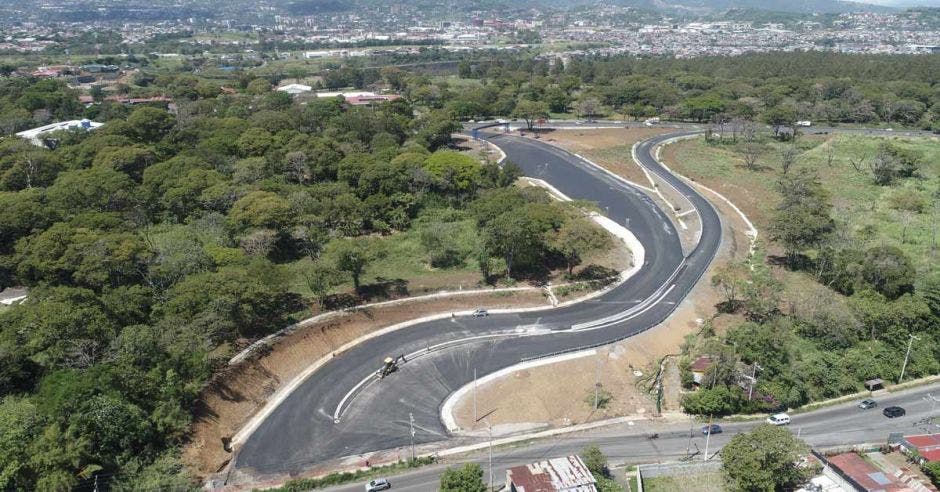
(35, 135)
(295, 89)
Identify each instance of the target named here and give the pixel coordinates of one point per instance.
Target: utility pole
(489, 433)
(411, 418)
(688, 449)
(750, 390)
(708, 437)
(907, 356)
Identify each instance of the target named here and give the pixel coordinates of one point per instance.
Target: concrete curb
(751, 232)
(672, 208)
(447, 409)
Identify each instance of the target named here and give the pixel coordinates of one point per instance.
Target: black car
(711, 429)
(892, 412)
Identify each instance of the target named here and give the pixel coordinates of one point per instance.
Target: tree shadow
(384, 289)
(381, 290)
(595, 272)
(796, 262)
(729, 307)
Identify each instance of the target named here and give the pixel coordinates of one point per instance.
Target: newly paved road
(301, 431)
(834, 426)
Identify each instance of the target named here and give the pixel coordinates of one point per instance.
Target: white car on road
(779, 419)
(378, 484)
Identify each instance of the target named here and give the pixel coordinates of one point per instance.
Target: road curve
(302, 430)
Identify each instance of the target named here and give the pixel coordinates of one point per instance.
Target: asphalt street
(630, 444)
(331, 415)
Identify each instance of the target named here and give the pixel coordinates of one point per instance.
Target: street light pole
(907, 356)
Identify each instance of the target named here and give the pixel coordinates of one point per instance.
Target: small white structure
(295, 89)
(345, 94)
(13, 295)
(35, 135)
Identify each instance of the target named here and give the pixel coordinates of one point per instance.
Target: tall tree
(467, 478)
(351, 255)
(802, 219)
(767, 458)
(576, 238)
(530, 111)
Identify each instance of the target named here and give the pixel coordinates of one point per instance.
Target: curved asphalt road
(301, 431)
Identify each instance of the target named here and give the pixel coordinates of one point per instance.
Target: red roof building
(927, 446)
(864, 475)
(699, 366)
(568, 474)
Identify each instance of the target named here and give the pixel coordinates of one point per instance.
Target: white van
(779, 419)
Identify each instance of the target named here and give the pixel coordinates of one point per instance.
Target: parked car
(480, 313)
(378, 484)
(712, 429)
(779, 419)
(866, 404)
(892, 412)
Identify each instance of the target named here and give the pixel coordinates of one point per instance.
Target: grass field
(904, 214)
(700, 482)
(403, 259)
(403, 263)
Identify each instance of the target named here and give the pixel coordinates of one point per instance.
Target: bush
(932, 470)
(908, 200)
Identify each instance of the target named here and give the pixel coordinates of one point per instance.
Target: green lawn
(867, 214)
(404, 258)
(699, 482)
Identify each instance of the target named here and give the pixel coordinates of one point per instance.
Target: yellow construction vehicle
(390, 366)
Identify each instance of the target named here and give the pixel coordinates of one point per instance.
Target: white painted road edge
(672, 208)
(751, 232)
(447, 409)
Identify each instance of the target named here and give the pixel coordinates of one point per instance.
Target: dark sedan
(892, 412)
(711, 429)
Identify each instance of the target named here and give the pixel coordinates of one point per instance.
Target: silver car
(378, 484)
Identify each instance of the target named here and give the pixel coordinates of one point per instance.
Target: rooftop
(33, 135)
(865, 474)
(568, 474)
(928, 445)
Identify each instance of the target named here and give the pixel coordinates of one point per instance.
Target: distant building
(568, 474)
(699, 367)
(371, 99)
(99, 68)
(295, 89)
(35, 135)
(345, 94)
